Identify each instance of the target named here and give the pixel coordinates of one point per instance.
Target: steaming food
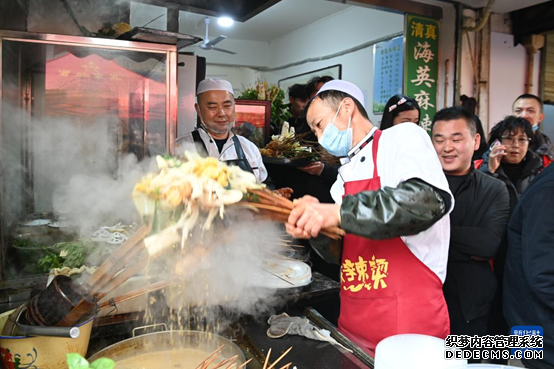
(205, 181)
(184, 358)
(199, 185)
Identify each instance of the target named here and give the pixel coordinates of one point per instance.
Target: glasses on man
(512, 141)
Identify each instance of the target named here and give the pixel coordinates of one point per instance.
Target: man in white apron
(216, 114)
(391, 198)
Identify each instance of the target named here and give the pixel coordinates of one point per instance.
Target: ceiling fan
(209, 44)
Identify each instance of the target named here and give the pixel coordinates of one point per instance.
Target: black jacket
(478, 223)
(541, 144)
(533, 165)
(529, 277)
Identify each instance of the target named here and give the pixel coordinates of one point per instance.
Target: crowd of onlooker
(500, 268)
(501, 257)
(499, 271)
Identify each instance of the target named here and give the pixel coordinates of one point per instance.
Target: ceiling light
(225, 21)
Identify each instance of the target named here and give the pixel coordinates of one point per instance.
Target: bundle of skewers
(289, 145)
(226, 364)
(273, 206)
(201, 189)
(231, 362)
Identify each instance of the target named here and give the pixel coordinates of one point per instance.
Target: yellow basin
(41, 352)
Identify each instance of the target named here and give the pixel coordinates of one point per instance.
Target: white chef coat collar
(359, 146)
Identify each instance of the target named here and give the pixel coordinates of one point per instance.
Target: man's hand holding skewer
(309, 217)
(285, 192)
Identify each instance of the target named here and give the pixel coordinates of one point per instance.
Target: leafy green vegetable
(74, 253)
(49, 261)
(76, 361)
(103, 363)
(29, 244)
(67, 254)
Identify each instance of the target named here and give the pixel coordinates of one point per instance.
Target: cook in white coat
(216, 115)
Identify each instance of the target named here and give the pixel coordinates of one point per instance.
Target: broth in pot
(171, 350)
(184, 358)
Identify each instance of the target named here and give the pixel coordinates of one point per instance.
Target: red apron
(385, 288)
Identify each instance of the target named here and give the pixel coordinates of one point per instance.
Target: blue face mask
(335, 141)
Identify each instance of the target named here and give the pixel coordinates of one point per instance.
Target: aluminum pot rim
(98, 355)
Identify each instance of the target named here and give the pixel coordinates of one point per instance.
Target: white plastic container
(414, 351)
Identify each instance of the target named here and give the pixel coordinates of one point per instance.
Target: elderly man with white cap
(216, 116)
(392, 199)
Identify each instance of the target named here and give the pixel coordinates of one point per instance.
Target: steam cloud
(75, 170)
(78, 173)
(232, 274)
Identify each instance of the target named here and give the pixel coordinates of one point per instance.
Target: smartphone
(496, 143)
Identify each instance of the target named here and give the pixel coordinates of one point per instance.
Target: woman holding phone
(510, 160)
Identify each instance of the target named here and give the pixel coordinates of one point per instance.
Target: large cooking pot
(171, 349)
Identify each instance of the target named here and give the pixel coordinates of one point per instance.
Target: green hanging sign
(422, 65)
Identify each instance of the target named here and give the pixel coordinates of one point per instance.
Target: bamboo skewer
(228, 362)
(282, 216)
(272, 246)
(209, 362)
(277, 200)
(278, 256)
(269, 207)
(280, 357)
(244, 365)
(334, 233)
(278, 240)
(216, 352)
(267, 358)
(278, 208)
(277, 276)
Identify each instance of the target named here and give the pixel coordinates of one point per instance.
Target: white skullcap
(214, 84)
(346, 87)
